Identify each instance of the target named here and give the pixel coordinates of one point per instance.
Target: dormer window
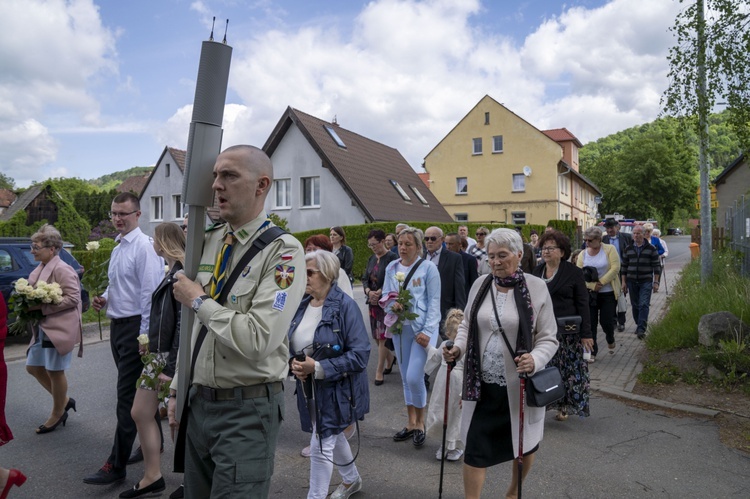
(335, 137)
(400, 190)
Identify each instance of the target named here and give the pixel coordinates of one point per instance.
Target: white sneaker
(439, 454)
(342, 492)
(305, 452)
(454, 455)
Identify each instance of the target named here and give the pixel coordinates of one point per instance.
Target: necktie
(220, 267)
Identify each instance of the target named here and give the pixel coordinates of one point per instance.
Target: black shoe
(106, 475)
(155, 488)
(379, 382)
(404, 434)
(641, 335)
(389, 370)
(71, 404)
(46, 429)
(621, 328)
(427, 382)
(179, 493)
(137, 455)
(419, 438)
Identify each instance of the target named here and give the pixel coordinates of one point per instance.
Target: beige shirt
(246, 343)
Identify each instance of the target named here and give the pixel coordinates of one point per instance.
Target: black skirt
(490, 438)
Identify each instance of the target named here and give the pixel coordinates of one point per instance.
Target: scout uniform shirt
(246, 343)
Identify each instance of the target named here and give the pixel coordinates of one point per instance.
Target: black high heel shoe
(390, 369)
(46, 429)
(70, 405)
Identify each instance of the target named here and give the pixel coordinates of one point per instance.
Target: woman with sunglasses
(329, 350)
(54, 339)
(479, 251)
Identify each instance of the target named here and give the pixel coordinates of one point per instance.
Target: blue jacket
(425, 291)
(343, 395)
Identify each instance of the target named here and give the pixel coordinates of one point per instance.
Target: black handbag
(570, 324)
(546, 386)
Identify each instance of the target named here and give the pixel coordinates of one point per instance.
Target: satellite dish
(527, 171)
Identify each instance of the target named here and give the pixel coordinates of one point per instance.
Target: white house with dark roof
(326, 175)
(161, 197)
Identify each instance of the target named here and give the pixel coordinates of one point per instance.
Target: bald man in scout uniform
(236, 400)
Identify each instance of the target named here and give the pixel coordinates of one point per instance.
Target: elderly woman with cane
(504, 308)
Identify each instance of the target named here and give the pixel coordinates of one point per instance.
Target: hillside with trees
(651, 170)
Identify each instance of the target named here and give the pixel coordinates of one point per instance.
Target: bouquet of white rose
(25, 302)
(154, 366)
(394, 320)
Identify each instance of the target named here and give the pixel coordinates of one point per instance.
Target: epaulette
(217, 225)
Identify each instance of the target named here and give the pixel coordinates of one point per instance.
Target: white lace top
(493, 363)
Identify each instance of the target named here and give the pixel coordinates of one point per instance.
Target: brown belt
(247, 392)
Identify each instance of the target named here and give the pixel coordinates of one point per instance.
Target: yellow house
(494, 166)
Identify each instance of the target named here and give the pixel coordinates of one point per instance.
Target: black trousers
(123, 339)
(602, 312)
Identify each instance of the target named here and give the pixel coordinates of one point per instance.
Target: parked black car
(16, 262)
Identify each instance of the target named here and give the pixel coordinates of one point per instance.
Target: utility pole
(706, 234)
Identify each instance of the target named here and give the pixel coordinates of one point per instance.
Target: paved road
(619, 452)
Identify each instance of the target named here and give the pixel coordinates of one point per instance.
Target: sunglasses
(590, 240)
(481, 233)
(431, 238)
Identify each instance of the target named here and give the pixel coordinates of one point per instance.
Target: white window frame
(461, 217)
(519, 182)
(495, 150)
(419, 195)
(286, 193)
(400, 190)
(564, 185)
(157, 208)
(476, 146)
(178, 206)
(314, 200)
(462, 186)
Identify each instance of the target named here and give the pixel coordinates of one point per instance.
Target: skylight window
(400, 190)
(419, 195)
(335, 137)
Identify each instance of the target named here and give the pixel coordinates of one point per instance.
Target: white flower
(143, 339)
(92, 246)
(400, 276)
(21, 285)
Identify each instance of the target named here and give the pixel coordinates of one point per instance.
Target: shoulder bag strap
(497, 318)
(411, 273)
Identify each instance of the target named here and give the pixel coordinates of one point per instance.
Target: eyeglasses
(311, 272)
(547, 249)
(481, 233)
(120, 214)
(372, 245)
(34, 247)
(590, 240)
(431, 238)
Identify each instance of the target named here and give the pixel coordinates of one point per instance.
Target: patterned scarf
(472, 365)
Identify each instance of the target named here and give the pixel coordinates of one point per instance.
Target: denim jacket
(343, 395)
(425, 290)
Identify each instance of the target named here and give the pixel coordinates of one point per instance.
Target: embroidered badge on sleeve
(279, 301)
(284, 276)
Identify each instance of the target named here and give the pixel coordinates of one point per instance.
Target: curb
(691, 409)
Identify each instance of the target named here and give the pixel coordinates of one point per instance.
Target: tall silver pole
(706, 243)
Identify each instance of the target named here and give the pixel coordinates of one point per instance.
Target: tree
(6, 182)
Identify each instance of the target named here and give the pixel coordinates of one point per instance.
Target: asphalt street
(618, 452)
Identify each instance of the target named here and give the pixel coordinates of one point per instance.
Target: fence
(738, 232)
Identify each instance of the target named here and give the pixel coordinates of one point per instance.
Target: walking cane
(522, 381)
(451, 365)
(664, 276)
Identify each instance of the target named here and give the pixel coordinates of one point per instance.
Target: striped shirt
(640, 263)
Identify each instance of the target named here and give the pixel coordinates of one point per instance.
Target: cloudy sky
(90, 87)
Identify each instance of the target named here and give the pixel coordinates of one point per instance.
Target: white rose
(143, 339)
(400, 276)
(93, 245)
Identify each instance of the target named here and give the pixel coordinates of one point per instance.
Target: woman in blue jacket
(329, 334)
(417, 334)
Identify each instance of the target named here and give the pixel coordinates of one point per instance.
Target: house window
(283, 193)
(335, 137)
(419, 195)
(477, 145)
(178, 206)
(166, 170)
(519, 182)
(310, 192)
(157, 208)
(462, 185)
(563, 185)
(497, 143)
(400, 190)
(487, 118)
(519, 217)
(461, 217)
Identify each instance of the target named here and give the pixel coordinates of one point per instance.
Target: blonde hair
(171, 239)
(452, 320)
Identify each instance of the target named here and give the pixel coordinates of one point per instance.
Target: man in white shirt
(463, 231)
(135, 270)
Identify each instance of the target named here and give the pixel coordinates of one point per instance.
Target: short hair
(402, 226)
(611, 222)
(560, 240)
(505, 238)
(125, 197)
(593, 233)
(656, 232)
(48, 237)
(482, 228)
(378, 234)
(438, 229)
(456, 234)
(416, 233)
(464, 243)
(340, 231)
(648, 226)
(327, 263)
(171, 239)
(533, 232)
(319, 241)
(393, 236)
(255, 159)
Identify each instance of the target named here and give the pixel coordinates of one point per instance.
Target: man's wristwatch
(199, 301)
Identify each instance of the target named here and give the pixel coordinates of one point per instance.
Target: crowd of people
(482, 312)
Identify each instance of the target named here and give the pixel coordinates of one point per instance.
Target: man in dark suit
(453, 243)
(620, 240)
(451, 268)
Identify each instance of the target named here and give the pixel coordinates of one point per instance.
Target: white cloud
(24, 149)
